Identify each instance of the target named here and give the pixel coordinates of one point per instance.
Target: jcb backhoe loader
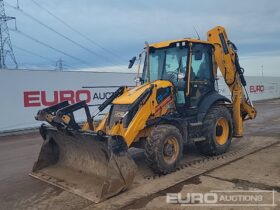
(176, 102)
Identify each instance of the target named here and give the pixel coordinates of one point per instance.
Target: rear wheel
(217, 130)
(163, 148)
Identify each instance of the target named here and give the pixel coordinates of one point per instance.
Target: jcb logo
(256, 88)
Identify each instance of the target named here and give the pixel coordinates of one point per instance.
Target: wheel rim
(170, 150)
(222, 131)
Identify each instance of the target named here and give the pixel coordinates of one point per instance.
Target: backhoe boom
(227, 60)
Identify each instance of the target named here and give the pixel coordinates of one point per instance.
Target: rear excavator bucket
(83, 163)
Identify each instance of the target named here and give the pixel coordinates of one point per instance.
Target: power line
(51, 47)
(32, 53)
(60, 34)
(32, 64)
(77, 31)
(41, 66)
(40, 56)
(69, 66)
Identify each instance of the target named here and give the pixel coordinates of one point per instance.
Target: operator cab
(188, 65)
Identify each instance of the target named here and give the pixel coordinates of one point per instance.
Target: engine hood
(131, 95)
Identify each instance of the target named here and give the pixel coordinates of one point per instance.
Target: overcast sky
(122, 27)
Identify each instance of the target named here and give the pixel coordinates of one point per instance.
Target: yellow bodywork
(167, 43)
(129, 96)
(149, 110)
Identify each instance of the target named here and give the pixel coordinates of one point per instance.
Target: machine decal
(163, 93)
(164, 103)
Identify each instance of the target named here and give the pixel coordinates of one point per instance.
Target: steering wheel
(171, 75)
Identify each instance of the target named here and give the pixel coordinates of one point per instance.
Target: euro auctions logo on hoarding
(38, 98)
(256, 88)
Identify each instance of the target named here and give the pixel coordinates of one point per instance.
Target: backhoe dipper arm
(227, 60)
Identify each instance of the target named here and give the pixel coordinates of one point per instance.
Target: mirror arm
(139, 65)
(147, 61)
(189, 70)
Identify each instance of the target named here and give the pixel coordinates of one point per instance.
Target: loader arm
(226, 59)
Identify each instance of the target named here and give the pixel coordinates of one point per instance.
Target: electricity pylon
(6, 50)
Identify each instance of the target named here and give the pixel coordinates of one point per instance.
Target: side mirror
(131, 62)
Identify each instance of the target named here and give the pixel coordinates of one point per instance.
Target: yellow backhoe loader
(177, 101)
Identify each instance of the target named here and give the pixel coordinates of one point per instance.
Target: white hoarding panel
(258, 88)
(23, 93)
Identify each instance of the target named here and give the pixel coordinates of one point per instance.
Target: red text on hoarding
(39, 98)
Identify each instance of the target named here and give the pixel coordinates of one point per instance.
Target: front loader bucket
(84, 164)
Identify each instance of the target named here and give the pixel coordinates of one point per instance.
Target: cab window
(201, 81)
(201, 62)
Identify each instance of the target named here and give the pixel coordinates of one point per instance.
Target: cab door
(201, 79)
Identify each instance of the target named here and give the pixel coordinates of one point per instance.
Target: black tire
(164, 148)
(212, 131)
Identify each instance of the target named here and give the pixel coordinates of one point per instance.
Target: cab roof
(167, 43)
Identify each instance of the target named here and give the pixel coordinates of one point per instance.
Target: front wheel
(217, 130)
(163, 148)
